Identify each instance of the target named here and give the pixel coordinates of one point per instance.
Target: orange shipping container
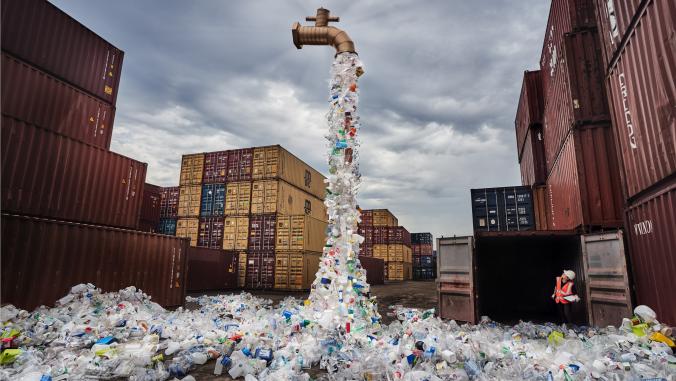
(192, 167)
(236, 233)
(295, 270)
(189, 201)
(276, 196)
(380, 252)
(238, 198)
(275, 162)
(300, 233)
(398, 253)
(383, 217)
(398, 271)
(188, 228)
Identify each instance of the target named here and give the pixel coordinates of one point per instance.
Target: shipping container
(260, 270)
(503, 209)
(150, 208)
(213, 200)
(584, 185)
(236, 233)
(42, 259)
(262, 229)
(215, 167)
(188, 228)
(380, 234)
(300, 233)
(399, 271)
(212, 269)
(423, 273)
(276, 196)
(422, 238)
(238, 198)
(469, 275)
(383, 217)
(366, 218)
(38, 98)
(375, 270)
(239, 164)
(540, 207)
(241, 272)
(295, 269)
(399, 253)
(380, 251)
(367, 233)
(642, 90)
(398, 234)
(192, 169)
(651, 230)
(167, 226)
(39, 33)
(210, 234)
(532, 158)
(366, 250)
(275, 162)
(426, 261)
(613, 18)
(189, 200)
(50, 175)
(169, 202)
(529, 112)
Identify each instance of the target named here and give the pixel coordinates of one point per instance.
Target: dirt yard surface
(418, 294)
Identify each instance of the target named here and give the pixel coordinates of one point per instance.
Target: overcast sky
(437, 101)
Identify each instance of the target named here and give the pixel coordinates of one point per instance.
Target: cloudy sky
(437, 101)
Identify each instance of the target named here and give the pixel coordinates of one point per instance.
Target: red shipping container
(260, 270)
(211, 269)
(366, 218)
(150, 208)
(210, 233)
(169, 202)
(39, 33)
(240, 162)
(375, 270)
(651, 227)
(215, 167)
(367, 233)
(532, 159)
(583, 185)
(38, 98)
(642, 92)
(43, 258)
(613, 18)
(380, 234)
(531, 106)
(398, 234)
(50, 175)
(426, 249)
(262, 228)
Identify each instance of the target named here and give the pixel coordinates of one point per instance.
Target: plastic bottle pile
(94, 335)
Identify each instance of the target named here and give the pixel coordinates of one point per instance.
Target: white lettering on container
(627, 113)
(643, 227)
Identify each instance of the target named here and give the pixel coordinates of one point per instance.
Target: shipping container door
(608, 298)
(455, 275)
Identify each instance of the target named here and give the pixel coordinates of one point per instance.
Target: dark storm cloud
(438, 98)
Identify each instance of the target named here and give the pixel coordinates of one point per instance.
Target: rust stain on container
(642, 92)
(169, 202)
(532, 159)
(38, 32)
(212, 269)
(50, 175)
(375, 270)
(613, 18)
(651, 229)
(150, 208)
(38, 98)
(531, 106)
(48, 257)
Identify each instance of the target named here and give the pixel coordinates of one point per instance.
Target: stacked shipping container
(503, 209)
(150, 208)
(383, 239)
(168, 210)
(424, 266)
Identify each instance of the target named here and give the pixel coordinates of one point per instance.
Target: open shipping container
(212, 269)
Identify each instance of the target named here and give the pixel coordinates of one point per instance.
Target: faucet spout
(322, 34)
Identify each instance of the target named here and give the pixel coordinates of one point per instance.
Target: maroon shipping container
(642, 92)
(211, 269)
(260, 270)
(366, 218)
(262, 232)
(375, 270)
(210, 232)
(42, 259)
(531, 106)
(366, 250)
(651, 225)
(39, 33)
(532, 160)
(367, 233)
(50, 175)
(398, 234)
(425, 249)
(583, 187)
(613, 18)
(380, 234)
(415, 249)
(150, 208)
(169, 202)
(36, 97)
(215, 167)
(576, 95)
(240, 162)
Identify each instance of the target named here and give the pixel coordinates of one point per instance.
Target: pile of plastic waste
(94, 335)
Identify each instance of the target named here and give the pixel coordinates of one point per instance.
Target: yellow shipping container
(399, 271)
(380, 251)
(235, 233)
(275, 162)
(277, 196)
(238, 198)
(383, 217)
(189, 200)
(395, 253)
(192, 167)
(241, 275)
(188, 227)
(408, 254)
(300, 233)
(296, 269)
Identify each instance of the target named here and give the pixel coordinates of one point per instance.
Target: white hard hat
(569, 273)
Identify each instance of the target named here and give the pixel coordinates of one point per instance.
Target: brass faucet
(321, 33)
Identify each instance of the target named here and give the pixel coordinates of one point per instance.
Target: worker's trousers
(565, 312)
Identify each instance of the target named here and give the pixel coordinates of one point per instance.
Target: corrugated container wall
(213, 200)
(531, 106)
(262, 229)
(642, 92)
(277, 196)
(215, 167)
(169, 202)
(502, 209)
(375, 270)
(540, 207)
(188, 228)
(167, 226)
(398, 234)
(211, 269)
(532, 159)
(150, 208)
(210, 232)
(236, 233)
(48, 257)
(38, 98)
(613, 18)
(383, 217)
(423, 238)
(238, 198)
(651, 225)
(192, 169)
(301, 232)
(295, 269)
(38, 32)
(239, 164)
(277, 163)
(260, 270)
(189, 201)
(366, 218)
(49, 175)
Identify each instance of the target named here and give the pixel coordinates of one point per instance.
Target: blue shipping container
(213, 200)
(167, 226)
(503, 209)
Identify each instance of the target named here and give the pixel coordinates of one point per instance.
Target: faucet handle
(330, 19)
(322, 18)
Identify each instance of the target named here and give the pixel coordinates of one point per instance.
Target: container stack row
(68, 202)
(385, 239)
(424, 264)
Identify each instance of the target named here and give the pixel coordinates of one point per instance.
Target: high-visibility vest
(562, 291)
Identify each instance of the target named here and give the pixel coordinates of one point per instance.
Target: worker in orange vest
(565, 294)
